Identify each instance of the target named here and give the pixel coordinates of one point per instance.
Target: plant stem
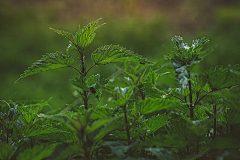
(85, 148)
(215, 121)
(126, 121)
(197, 148)
(191, 107)
(89, 69)
(83, 71)
(142, 94)
(75, 69)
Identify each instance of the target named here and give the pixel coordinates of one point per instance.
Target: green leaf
(118, 148)
(97, 124)
(95, 83)
(29, 113)
(222, 78)
(37, 131)
(152, 105)
(68, 36)
(151, 91)
(163, 153)
(221, 143)
(169, 141)
(83, 37)
(102, 112)
(48, 62)
(109, 128)
(201, 112)
(65, 150)
(114, 53)
(155, 122)
(80, 82)
(152, 77)
(37, 152)
(6, 151)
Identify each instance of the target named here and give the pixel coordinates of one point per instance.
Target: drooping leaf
(64, 150)
(222, 78)
(102, 112)
(155, 122)
(6, 151)
(38, 152)
(114, 53)
(152, 105)
(29, 113)
(49, 61)
(97, 124)
(37, 131)
(109, 128)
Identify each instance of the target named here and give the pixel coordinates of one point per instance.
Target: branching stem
(170, 95)
(83, 71)
(75, 69)
(196, 103)
(89, 69)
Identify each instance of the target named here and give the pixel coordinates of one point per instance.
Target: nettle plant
(196, 120)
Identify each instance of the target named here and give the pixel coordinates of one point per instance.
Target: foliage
(198, 120)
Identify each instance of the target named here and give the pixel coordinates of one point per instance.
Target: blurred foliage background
(140, 25)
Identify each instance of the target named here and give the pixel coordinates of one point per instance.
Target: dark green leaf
(222, 78)
(98, 124)
(114, 53)
(6, 151)
(152, 105)
(37, 152)
(163, 154)
(102, 112)
(80, 82)
(109, 128)
(155, 122)
(48, 62)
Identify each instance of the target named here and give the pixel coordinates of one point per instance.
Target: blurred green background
(140, 25)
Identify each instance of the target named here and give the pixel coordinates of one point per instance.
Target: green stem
(83, 71)
(215, 121)
(75, 69)
(191, 107)
(85, 147)
(89, 69)
(198, 145)
(126, 121)
(142, 94)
